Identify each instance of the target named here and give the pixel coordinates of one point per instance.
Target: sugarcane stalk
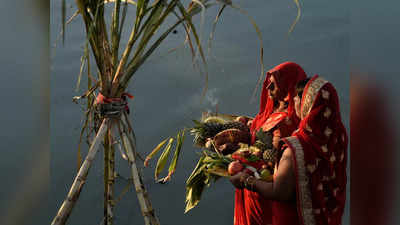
(76, 188)
(123, 60)
(132, 136)
(110, 180)
(115, 33)
(132, 68)
(105, 178)
(104, 45)
(135, 34)
(144, 202)
(91, 32)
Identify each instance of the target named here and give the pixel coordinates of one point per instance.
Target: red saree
(319, 149)
(250, 207)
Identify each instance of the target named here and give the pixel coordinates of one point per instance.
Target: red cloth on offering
(256, 164)
(319, 150)
(250, 207)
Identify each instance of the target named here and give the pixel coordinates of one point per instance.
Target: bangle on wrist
(249, 183)
(242, 180)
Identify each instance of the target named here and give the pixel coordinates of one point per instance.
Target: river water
(167, 94)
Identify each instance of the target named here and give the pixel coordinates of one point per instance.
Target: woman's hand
(249, 123)
(238, 179)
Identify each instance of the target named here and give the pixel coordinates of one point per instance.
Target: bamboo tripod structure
(122, 127)
(115, 70)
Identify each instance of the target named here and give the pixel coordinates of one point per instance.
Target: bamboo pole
(144, 202)
(76, 188)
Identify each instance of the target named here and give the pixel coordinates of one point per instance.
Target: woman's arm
(281, 189)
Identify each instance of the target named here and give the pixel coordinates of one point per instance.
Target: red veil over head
(286, 75)
(320, 154)
(250, 207)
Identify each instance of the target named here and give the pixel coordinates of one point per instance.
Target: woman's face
(297, 105)
(273, 90)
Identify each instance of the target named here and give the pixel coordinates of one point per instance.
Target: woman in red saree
(319, 153)
(277, 115)
(312, 166)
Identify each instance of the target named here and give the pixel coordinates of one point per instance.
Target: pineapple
(211, 127)
(202, 131)
(263, 140)
(270, 155)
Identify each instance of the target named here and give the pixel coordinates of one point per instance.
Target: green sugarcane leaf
(197, 175)
(153, 22)
(214, 26)
(149, 29)
(132, 68)
(78, 82)
(198, 123)
(84, 127)
(115, 38)
(123, 17)
(140, 5)
(208, 179)
(136, 33)
(297, 17)
(194, 9)
(253, 22)
(202, 17)
(194, 192)
(200, 165)
(187, 39)
(140, 11)
(188, 20)
(153, 18)
(124, 1)
(154, 151)
(180, 138)
(162, 161)
(91, 31)
(154, 9)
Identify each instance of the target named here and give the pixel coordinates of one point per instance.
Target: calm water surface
(167, 96)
